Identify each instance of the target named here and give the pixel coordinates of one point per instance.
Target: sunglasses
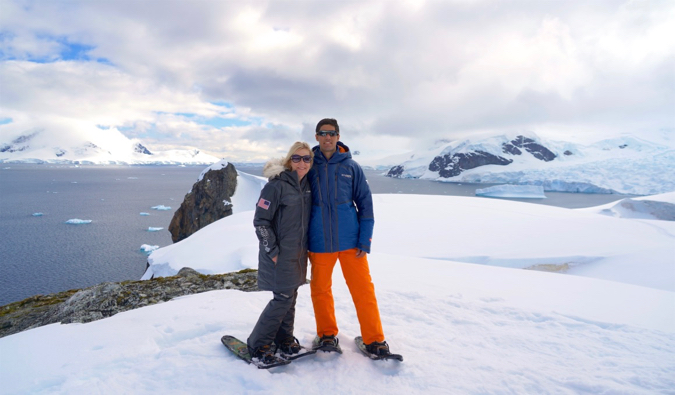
(297, 158)
(324, 133)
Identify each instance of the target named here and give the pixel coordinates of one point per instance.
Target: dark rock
(396, 171)
(509, 148)
(107, 299)
(204, 204)
(567, 153)
(537, 150)
(141, 149)
(452, 165)
(18, 144)
(622, 146)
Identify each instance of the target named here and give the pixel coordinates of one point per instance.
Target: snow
(77, 221)
(460, 229)
(513, 191)
(651, 207)
(462, 327)
(161, 207)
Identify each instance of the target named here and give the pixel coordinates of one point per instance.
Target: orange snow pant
(357, 276)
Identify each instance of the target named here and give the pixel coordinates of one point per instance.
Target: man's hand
(360, 253)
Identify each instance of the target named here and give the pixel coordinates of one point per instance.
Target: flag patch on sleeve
(262, 203)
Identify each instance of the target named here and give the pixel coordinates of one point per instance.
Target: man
(341, 227)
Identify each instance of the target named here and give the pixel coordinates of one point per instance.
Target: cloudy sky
(244, 79)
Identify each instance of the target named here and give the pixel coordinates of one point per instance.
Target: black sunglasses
(297, 158)
(324, 133)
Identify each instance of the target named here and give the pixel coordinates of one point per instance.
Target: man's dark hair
(328, 121)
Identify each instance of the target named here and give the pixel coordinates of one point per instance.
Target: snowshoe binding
(290, 349)
(327, 344)
(376, 350)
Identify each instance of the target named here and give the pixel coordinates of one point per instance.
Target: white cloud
(417, 70)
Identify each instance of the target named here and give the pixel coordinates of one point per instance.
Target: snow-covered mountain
(107, 146)
(626, 164)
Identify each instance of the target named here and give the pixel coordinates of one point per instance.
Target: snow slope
(462, 328)
(461, 229)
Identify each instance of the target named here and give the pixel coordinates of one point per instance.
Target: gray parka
(281, 222)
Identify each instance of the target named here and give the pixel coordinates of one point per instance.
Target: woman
(281, 221)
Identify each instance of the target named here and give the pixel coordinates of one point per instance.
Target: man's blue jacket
(342, 205)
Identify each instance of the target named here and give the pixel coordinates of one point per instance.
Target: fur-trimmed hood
(273, 168)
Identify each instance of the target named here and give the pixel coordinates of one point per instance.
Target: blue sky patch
(219, 122)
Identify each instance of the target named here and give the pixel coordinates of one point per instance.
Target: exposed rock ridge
(452, 165)
(209, 200)
(107, 299)
(537, 150)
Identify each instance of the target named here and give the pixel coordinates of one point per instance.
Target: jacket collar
(341, 154)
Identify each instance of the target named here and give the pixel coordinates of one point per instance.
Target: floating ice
(132, 178)
(161, 207)
(145, 214)
(513, 191)
(152, 229)
(147, 248)
(77, 221)
(38, 214)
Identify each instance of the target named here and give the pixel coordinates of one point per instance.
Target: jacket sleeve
(364, 204)
(263, 220)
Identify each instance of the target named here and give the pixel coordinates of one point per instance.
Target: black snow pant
(276, 321)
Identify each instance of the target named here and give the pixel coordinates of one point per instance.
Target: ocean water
(43, 254)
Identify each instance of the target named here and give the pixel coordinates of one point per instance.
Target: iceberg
(145, 214)
(152, 229)
(147, 248)
(513, 191)
(161, 207)
(77, 221)
(38, 214)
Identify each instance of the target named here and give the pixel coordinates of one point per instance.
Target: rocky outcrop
(207, 202)
(537, 150)
(107, 299)
(396, 171)
(140, 148)
(18, 144)
(452, 165)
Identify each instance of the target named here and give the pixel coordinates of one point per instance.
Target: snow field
(461, 328)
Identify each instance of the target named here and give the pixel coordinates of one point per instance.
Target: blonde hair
(294, 148)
